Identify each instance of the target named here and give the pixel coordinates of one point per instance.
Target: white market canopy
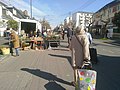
(28, 20)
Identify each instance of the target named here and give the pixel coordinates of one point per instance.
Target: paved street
(39, 21)
(51, 69)
(37, 70)
(108, 67)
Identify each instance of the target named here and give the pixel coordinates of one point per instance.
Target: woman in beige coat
(15, 41)
(79, 50)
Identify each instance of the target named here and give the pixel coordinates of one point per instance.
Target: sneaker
(73, 83)
(17, 55)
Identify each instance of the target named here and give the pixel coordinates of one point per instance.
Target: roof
(3, 4)
(84, 12)
(4, 16)
(111, 4)
(19, 12)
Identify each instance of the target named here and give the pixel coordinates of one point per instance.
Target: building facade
(103, 17)
(5, 15)
(11, 13)
(82, 19)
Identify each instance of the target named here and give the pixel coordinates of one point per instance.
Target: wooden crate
(5, 50)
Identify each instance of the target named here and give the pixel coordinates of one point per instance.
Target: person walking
(79, 47)
(89, 36)
(15, 41)
(63, 34)
(11, 44)
(38, 33)
(69, 35)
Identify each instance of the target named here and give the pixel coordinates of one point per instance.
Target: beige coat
(79, 52)
(15, 40)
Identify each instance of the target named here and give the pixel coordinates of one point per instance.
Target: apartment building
(105, 15)
(68, 19)
(82, 19)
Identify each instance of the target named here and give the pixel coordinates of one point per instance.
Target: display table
(36, 42)
(52, 43)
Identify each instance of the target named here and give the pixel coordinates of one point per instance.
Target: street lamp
(31, 8)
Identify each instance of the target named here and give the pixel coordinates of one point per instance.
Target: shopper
(89, 36)
(69, 34)
(79, 47)
(15, 41)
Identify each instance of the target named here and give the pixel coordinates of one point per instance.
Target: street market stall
(52, 41)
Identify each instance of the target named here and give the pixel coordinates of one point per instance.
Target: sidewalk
(108, 64)
(113, 42)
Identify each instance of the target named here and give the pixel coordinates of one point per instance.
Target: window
(109, 10)
(118, 7)
(4, 11)
(114, 9)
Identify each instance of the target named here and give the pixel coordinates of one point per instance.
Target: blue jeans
(17, 51)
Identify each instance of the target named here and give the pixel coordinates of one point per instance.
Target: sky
(55, 11)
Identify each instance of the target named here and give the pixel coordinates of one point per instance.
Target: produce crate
(5, 50)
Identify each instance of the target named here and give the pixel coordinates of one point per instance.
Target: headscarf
(79, 31)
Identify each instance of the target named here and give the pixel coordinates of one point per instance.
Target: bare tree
(105, 27)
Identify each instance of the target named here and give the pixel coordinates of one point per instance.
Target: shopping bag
(86, 79)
